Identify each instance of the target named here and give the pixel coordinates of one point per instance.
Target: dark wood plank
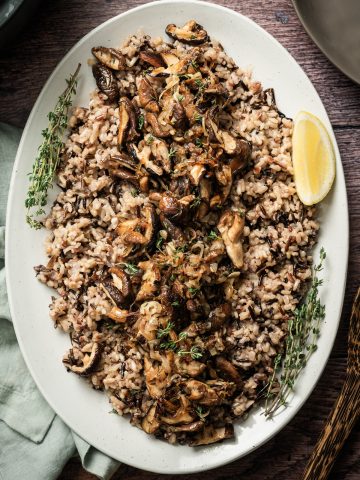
(26, 64)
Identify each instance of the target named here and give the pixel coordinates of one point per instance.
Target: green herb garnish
(193, 291)
(194, 352)
(163, 332)
(149, 139)
(198, 142)
(172, 152)
(141, 121)
(131, 269)
(196, 202)
(47, 161)
(180, 98)
(303, 332)
(213, 235)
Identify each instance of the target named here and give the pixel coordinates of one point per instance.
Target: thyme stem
(300, 343)
(46, 163)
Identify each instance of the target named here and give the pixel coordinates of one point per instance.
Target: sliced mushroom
(112, 292)
(196, 173)
(150, 423)
(231, 227)
(189, 428)
(153, 58)
(229, 369)
(160, 151)
(143, 157)
(106, 82)
(191, 33)
(182, 415)
(220, 315)
(178, 117)
(174, 231)
(170, 206)
(88, 362)
(169, 58)
(121, 281)
(223, 176)
(110, 57)
(118, 315)
(238, 147)
(212, 434)
(147, 96)
(201, 393)
(127, 122)
(150, 279)
(190, 368)
(159, 130)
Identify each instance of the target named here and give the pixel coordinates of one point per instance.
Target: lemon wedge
(313, 158)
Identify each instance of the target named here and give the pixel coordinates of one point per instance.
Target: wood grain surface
(24, 67)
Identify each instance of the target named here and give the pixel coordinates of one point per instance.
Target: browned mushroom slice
(106, 82)
(88, 362)
(150, 423)
(190, 368)
(189, 428)
(152, 58)
(220, 315)
(178, 117)
(170, 206)
(169, 58)
(235, 146)
(150, 279)
(231, 227)
(143, 157)
(118, 315)
(123, 160)
(174, 231)
(158, 130)
(229, 369)
(197, 171)
(121, 281)
(191, 33)
(160, 151)
(147, 96)
(182, 415)
(124, 120)
(224, 177)
(110, 57)
(201, 393)
(213, 434)
(112, 292)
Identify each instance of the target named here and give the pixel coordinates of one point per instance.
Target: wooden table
(26, 64)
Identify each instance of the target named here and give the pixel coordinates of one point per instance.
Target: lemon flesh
(313, 158)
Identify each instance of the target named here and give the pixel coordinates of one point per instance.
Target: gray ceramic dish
(334, 25)
(13, 16)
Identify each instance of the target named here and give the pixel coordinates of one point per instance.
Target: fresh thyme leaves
(134, 192)
(198, 142)
(196, 202)
(141, 121)
(197, 117)
(163, 332)
(175, 304)
(193, 291)
(47, 160)
(172, 152)
(201, 413)
(194, 64)
(194, 352)
(159, 242)
(130, 268)
(180, 98)
(213, 235)
(149, 140)
(303, 332)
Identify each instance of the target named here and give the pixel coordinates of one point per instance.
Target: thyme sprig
(303, 332)
(44, 168)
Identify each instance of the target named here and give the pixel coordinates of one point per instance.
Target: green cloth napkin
(35, 443)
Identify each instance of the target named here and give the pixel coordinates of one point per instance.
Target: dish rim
(285, 419)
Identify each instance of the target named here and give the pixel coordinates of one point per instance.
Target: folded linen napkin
(34, 442)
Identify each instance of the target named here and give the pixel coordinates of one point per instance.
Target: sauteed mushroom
(110, 57)
(106, 81)
(191, 33)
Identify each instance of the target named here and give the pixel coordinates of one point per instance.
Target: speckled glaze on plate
(83, 409)
(334, 26)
